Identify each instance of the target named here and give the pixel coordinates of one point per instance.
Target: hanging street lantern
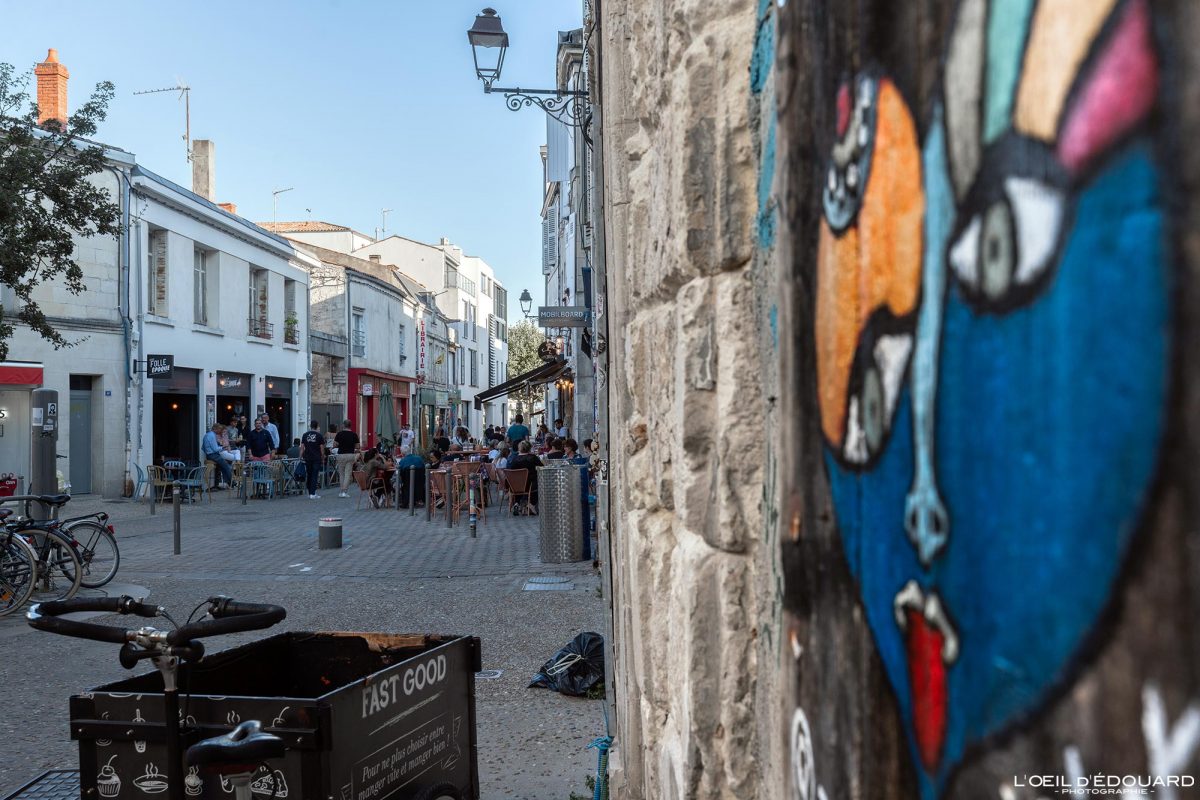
(489, 43)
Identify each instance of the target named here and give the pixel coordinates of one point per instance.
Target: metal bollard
(428, 497)
(412, 491)
(153, 499)
(329, 533)
(450, 499)
(177, 504)
(472, 481)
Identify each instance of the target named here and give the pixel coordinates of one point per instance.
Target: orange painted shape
(876, 263)
(1060, 37)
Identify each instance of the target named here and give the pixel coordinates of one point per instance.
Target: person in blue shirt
(212, 452)
(518, 432)
(408, 461)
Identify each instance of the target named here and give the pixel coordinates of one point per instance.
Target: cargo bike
(298, 715)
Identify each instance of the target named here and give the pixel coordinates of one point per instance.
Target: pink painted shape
(1118, 93)
(843, 109)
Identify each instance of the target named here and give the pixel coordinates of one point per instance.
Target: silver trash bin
(560, 514)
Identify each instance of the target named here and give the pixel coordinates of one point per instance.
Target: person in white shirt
(560, 429)
(407, 436)
(271, 429)
(494, 454)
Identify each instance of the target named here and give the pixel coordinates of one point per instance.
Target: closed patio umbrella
(387, 426)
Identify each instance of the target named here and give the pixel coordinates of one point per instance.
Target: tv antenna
(184, 94)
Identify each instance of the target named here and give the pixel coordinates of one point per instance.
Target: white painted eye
(964, 255)
(870, 410)
(1037, 211)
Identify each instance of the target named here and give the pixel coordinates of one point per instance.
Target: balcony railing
(358, 343)
(455, 280)
(261, 329)
(291, 333)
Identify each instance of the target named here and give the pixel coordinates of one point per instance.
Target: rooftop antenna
(275, 203)
(184, 93)
(382, 230)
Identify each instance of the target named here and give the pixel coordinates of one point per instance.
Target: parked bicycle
(51, 559)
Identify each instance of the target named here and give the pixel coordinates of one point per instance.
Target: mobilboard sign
(564, 317)
(160, 366)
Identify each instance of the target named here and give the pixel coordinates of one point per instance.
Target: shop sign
(230, 381)
(368, 389)
(421, 363)
(160, 366)
(564, 317)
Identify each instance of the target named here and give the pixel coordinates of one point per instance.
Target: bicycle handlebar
(229, 617)
(48, 617)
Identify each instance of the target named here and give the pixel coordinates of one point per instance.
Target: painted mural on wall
(992, 350)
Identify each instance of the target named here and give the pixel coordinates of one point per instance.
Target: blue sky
(358, 105)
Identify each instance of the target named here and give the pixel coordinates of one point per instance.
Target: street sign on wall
(564, 317)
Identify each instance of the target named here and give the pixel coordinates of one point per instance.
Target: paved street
(396, 573)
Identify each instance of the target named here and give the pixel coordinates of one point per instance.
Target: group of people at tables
(511, 449)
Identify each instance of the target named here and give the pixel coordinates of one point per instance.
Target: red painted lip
(927, 679)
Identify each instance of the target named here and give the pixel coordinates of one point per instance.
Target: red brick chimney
(52, 89)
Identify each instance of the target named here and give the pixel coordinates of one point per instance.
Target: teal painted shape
(1008, 23)
(762, 61)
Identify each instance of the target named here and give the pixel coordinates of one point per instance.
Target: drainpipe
(123, 307)
(349, 348)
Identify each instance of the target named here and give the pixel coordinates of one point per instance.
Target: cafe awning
(20, 374)
(535, 377)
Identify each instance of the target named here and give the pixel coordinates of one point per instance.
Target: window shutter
(158, 271)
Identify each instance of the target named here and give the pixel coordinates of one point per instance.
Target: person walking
(212, 452)
(518, 432)
(312, 452)
(347, 453)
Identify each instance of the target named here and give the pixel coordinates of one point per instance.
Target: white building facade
(228, 302)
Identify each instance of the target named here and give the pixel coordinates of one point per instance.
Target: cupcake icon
(193, 784)
(108, 782)
(138, 745)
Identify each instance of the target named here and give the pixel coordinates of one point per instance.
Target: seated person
(527, 461)
(455, 454)
(294, 450)
(501, 461)
(376, 464)
(571, 452)
(556, 449)
(410, 461)
(493, 450)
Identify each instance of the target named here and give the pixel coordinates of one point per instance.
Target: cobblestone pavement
(395, 573)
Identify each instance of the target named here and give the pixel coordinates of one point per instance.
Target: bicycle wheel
(98, 551)
(59, 567)
(17, 569)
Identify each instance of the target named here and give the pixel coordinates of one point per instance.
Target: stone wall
(687, 405)
(904, 419)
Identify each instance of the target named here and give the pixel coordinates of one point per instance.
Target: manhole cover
(556, 585)
(488, 674)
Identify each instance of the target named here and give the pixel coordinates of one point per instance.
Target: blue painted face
(987, 507)
(986, 552)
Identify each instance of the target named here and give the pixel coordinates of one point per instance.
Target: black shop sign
(160, 366)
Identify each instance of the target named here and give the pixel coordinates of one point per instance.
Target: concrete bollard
(329, 531)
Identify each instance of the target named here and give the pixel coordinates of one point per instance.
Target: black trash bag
(576, 668)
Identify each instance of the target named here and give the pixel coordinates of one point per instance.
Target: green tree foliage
(523, 341)
(47, 199)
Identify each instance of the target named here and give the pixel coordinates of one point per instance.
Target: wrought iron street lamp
(526, 303)
(489, 43)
